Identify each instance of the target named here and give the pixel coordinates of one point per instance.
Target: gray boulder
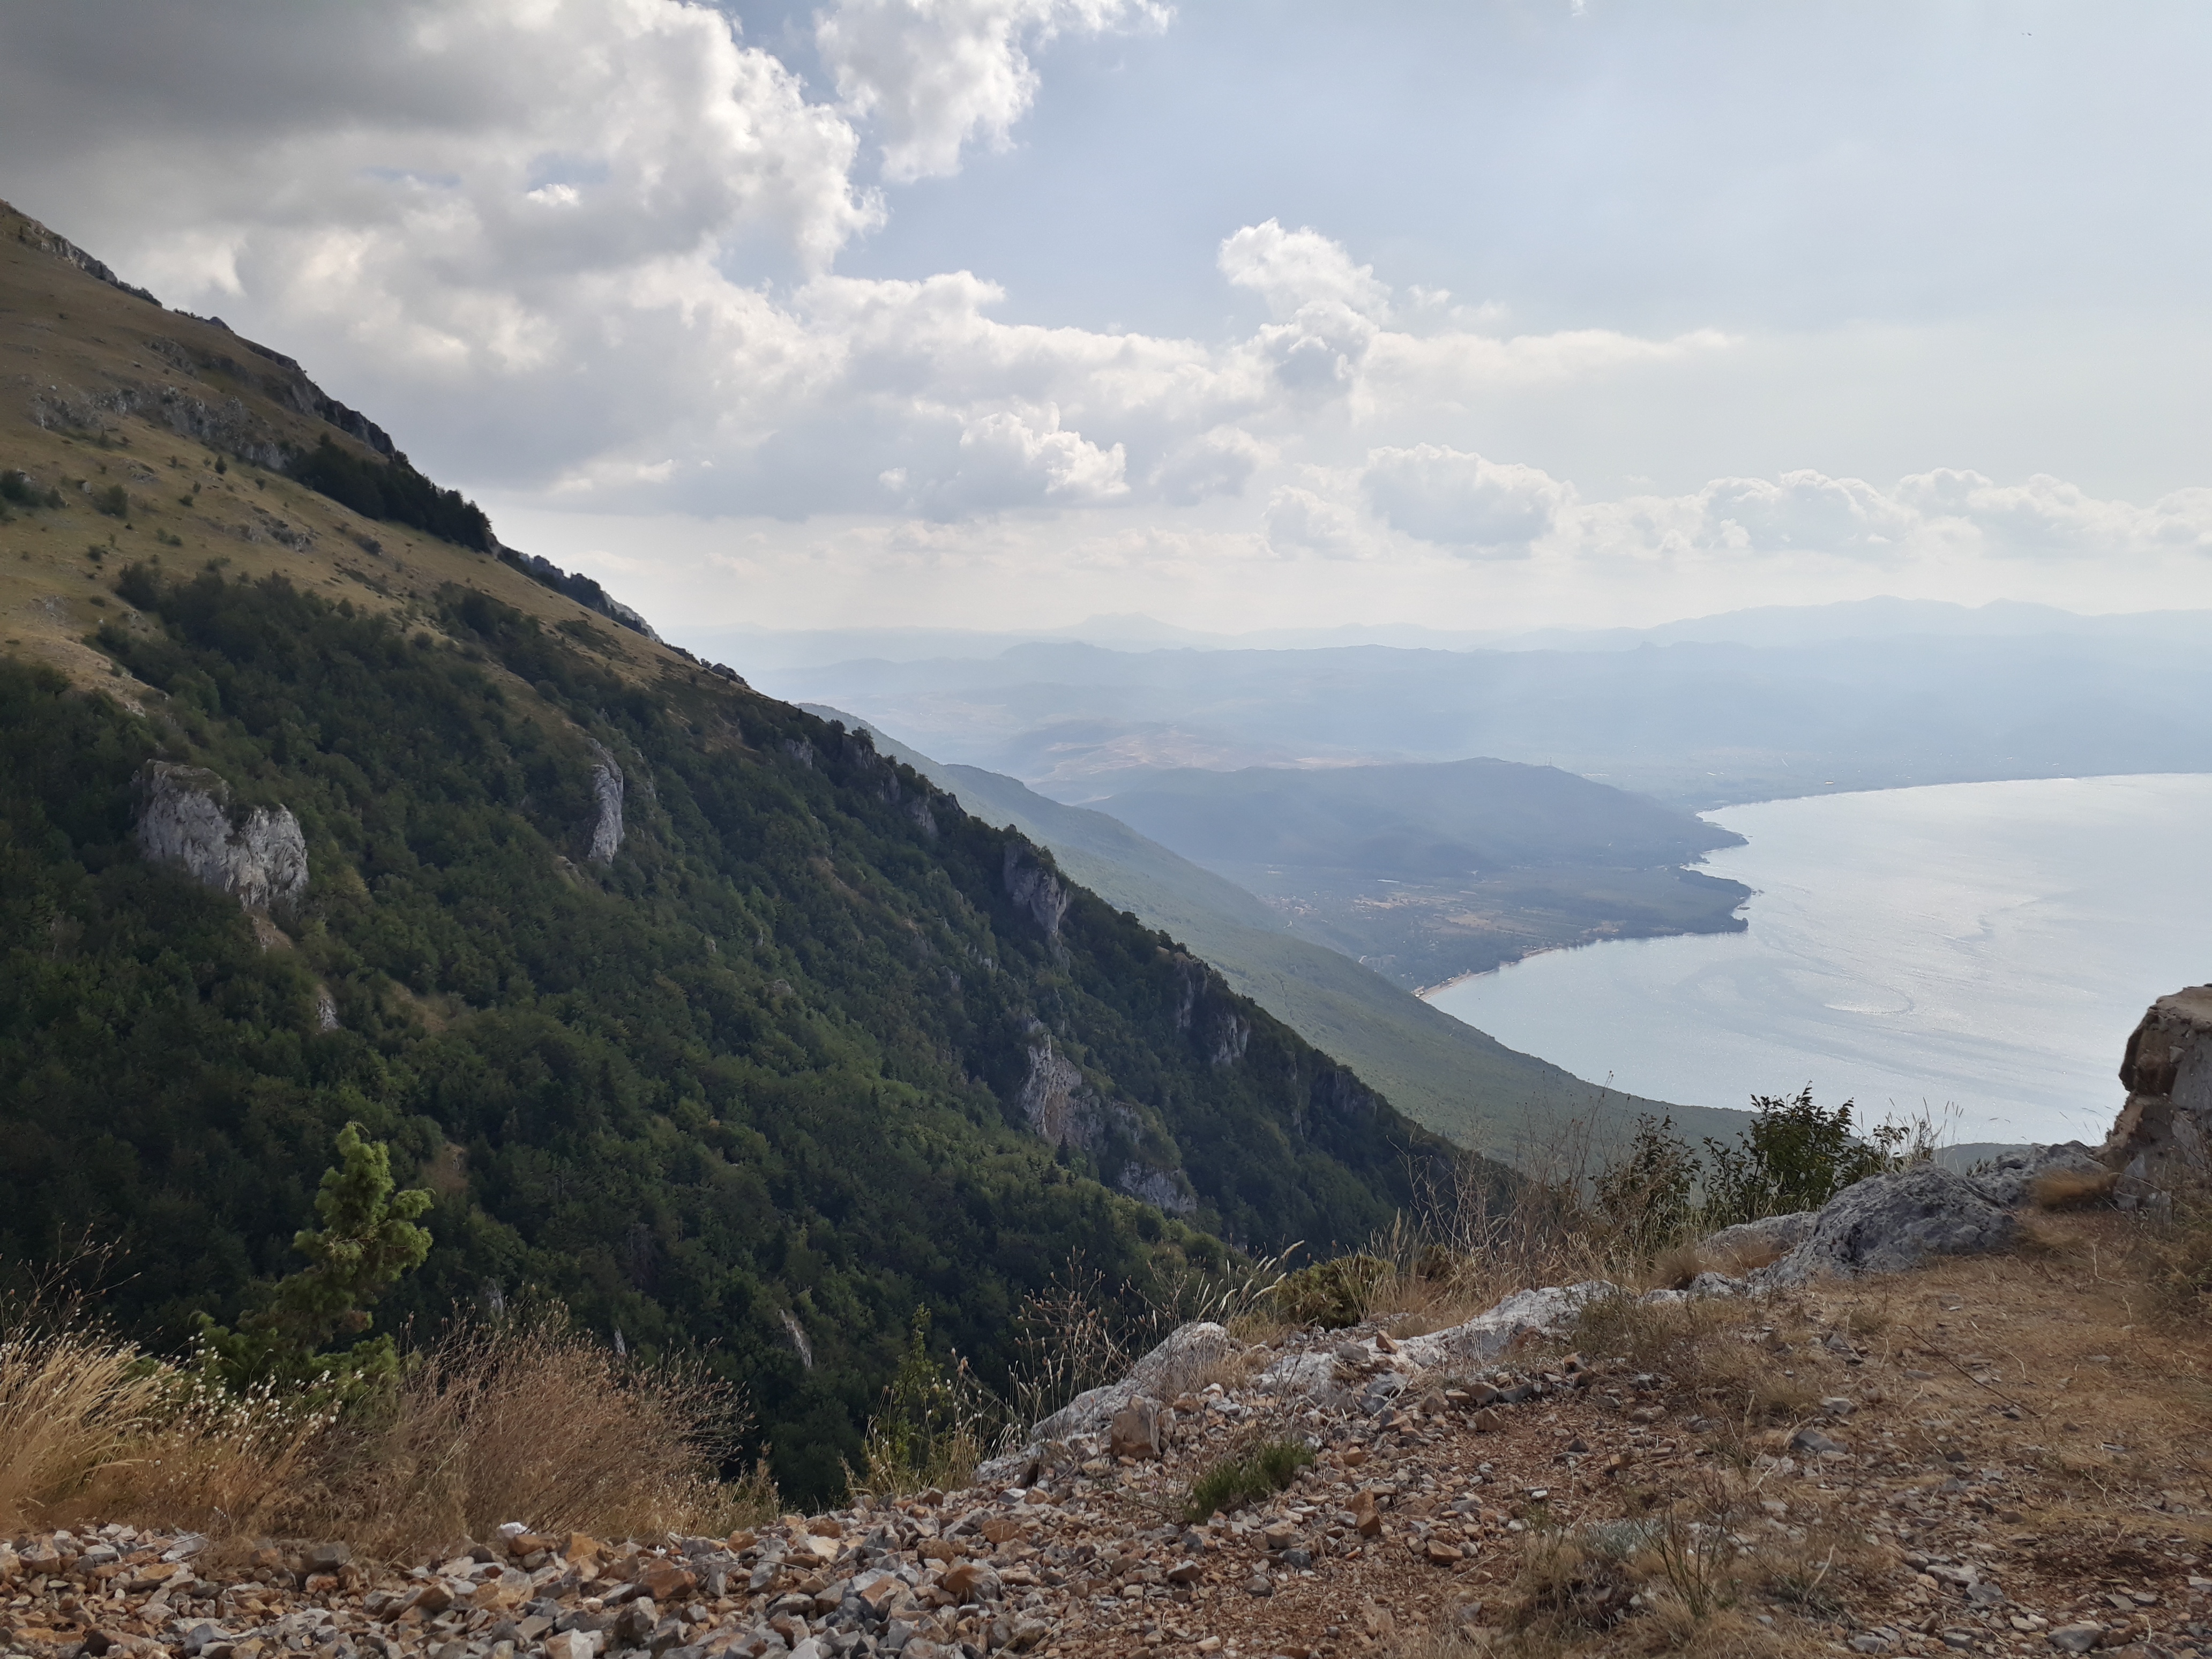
(2162, 1139)
(184, 818)
(1888, 1222)
(2009, 1179)
(1757, 1243)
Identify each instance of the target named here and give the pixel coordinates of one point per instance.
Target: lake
(1986, 946)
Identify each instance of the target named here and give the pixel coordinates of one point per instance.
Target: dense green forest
(759, 1086)
(394, 491)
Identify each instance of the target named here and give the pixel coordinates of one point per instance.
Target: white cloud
(1463, 501)
(1217, 463)
(1293, 269)
(931, 75)
(1804, 510)
(1010, 460)
(1299, 521)
(2049, 517)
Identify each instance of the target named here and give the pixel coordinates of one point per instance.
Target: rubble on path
(1428, 1484)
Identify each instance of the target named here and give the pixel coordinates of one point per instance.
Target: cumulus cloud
(931, 76)
(590, 247)
(1804, 510)
(1016, 459)
(1299, 521)
(1463, 501)
(1217, 463)
(2048, 517)
(1293, 269)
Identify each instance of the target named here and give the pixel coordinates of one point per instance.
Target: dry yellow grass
(71, 1404)
(526, 1420)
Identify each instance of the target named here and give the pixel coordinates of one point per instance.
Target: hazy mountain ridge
(1693, 724)
(1454, 1079)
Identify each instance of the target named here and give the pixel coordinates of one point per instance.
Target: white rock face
(1175, 1367)
(184, 818)
(607, 788)
(1484, 1339)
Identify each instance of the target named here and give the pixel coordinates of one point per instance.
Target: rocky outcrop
(607, 792)
(1166, 1190)
(185, 817)
(1178, 1365)
(1054, 1103)
(2162, 1140)
(2011, 1178)
(1755, 1244)
(1888, 1222)
(1063, 1109)
(1034, 888)
(1526, 1315)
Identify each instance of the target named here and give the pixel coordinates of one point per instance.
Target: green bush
(113, 501)
(1793, 1155)
(1330, 1294)
(1253, 1472)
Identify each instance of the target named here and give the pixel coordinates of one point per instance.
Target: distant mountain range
(772, 649)
(1839, 699)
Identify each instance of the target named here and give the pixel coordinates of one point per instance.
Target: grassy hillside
(809, 1049)
(1448, 1075)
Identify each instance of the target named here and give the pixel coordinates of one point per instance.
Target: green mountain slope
(692, 1009)
(1456, 1080)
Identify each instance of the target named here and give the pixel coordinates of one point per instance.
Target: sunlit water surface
(1984, 945)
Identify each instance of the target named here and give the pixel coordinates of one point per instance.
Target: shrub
(113, 501)
(932, 1428)
(1644, 1196)
(17, 488)
(1793, 1155)
(1330, 1294)
(1242, 1475)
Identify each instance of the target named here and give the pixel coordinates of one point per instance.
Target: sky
(1256, 314)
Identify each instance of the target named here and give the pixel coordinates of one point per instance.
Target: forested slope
(809, 1049)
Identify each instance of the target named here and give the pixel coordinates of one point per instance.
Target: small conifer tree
(368, 1240)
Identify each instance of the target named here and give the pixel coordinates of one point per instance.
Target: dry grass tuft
(532, 1419)
(71, 1401)
(2066, 1189)
(527, 1420)
(2172, 1253)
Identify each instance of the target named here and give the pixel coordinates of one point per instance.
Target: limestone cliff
(185, 817)
(607, 792)
(1061, 1108)
(1035, 889)
(2162, 1139)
